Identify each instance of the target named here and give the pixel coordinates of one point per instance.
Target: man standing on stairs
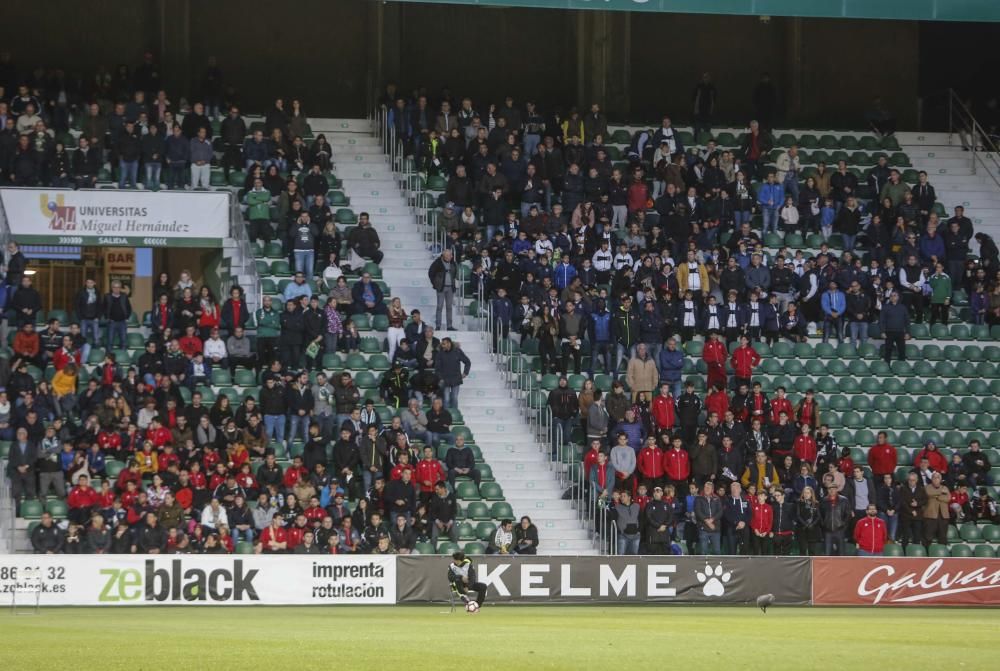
(443, 275)
(452, 366)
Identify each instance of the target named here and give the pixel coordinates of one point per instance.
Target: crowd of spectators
(629, 262)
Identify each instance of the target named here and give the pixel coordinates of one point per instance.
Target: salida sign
(906, 581)
(177, 583)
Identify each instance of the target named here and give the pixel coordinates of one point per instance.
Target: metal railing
(562, 457)
(6, 512)
(982, 147)
(247, 264)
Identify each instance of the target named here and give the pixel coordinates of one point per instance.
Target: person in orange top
(662, 409)
(27, 345)
(714, 355)
(717, 402)
(804, 448)
(147, 459)
(744, 360)
(650, 463)
(64, 388)
(781, 404)
(761, 525)
(882, 457)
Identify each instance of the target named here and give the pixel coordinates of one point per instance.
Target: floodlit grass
(412, 638)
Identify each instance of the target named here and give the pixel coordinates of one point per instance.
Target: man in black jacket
(233, 134)
(565, 408)
(912, 499)
(26, 302)
(151, 539)
(894, 321)
(836, 518)
(128, 149)
(153, 146)
(117, 309)
(659, 522)
(461, 462)
(47, 538)
(86, 164)
(783, 525)
(441, 512)
(21, 466)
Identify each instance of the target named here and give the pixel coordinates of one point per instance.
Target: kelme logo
(177, 584)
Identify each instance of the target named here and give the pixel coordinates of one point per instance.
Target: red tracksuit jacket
(762, 518)
(744, 361)
(804, 448)
(650, 462)
(677, 464)
(882, 459)
(662, 411)
(870, 534)
(717, 402)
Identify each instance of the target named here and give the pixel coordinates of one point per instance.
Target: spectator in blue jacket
(257, 151)
(177, 152)
(770, 198)
(932, 247)
(564, 273)
(600, 337)
(635, 432)
(671, 363)
(736, 515)
(834, 302)
(503, 312)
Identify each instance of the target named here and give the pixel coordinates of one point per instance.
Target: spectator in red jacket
(429, 473)
(744, 360)
(590, 458)
(82, 500)
(293, 473)
(761, 525)
(870, 533)
(714, 355)
(717, 402)
(677, 465)
(403, 465)
(804, 448)
(882, 457)
(662, 409)
(650, 463)
(937, 461)
(781, 404)
(274, 539)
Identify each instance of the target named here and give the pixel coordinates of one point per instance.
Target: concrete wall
(638, 65)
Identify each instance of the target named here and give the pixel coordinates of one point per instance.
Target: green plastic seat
(467, 491)
(838, 402)
(57, 508)
(861, 403)
(477, 510)
(474, 548)
(991, 533)
(915, 550)
(485, 531)
(892, 550)
(780, 350)
(804, 351)
(882, 403)
(221, 377)
(446, 548)
(31, 509)
(938, 550)
(984, 552)
(379, 362)
(491, 491)
(466, 531)
(501, 510)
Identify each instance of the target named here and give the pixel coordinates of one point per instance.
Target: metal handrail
(523, 386)
(7, 519)
(960, 118)
(238, 232)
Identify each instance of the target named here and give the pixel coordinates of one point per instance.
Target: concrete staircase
(517, 460)
(371, 186)
(494, 418)
(949, 170)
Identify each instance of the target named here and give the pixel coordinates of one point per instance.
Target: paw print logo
(713, 580)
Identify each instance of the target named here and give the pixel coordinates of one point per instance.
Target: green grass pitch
(413, 638)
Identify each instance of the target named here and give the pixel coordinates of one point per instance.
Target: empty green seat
(477, 510)
(31, 509)
(467, 491)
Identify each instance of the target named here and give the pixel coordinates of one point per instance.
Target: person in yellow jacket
(760, 473)
(692, 275)
(64, 388)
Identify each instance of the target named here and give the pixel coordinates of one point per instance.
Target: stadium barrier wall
(229, 580)
(119, 218)
(882, 581)
(243, 580)
(676, 579)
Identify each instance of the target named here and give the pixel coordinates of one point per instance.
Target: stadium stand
(342, 260)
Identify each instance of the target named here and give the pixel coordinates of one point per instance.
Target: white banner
(117, 217)
(221, 580)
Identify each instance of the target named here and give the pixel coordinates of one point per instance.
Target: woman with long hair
(808, 532)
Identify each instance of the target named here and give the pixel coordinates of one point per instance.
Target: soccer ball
(472, 607)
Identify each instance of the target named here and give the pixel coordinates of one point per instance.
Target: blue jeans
(831, 540)
(435, 438)
(274, 427)
(848, 241)
(858, 333)
(628, 544)
(770, 220)
(709, 542)
(91, 330)
(891, 525)
(176, 175)
(562, 431)
(152, 175)
(600, 351)
(791, 186)
(675, 387)
(449, 395)
(128, 171)
(833, 325)
(423, 436)
(298, 426)
(304, 260)
(741, 216)
(119, 329)
(531, 141)
(246, 535)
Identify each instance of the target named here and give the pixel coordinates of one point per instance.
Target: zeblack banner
(615, 579)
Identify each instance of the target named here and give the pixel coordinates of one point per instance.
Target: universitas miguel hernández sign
(110, 217)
